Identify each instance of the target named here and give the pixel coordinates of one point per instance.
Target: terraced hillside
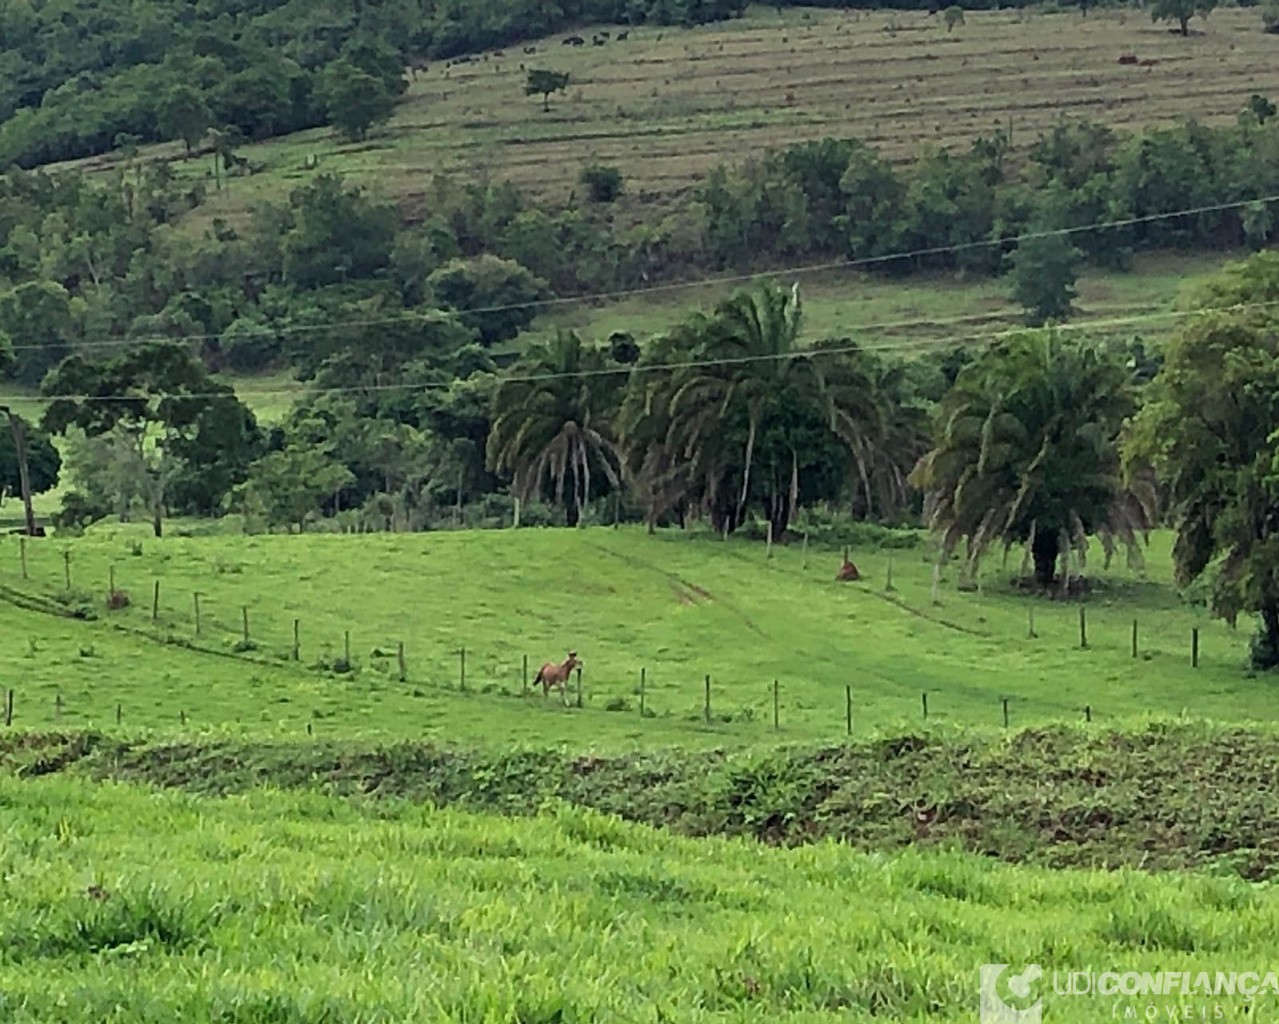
(667, 105)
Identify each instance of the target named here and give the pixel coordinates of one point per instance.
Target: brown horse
(552, 674)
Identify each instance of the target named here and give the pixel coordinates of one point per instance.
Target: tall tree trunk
(746, 475)
(18, 429)
(1270, 622)
(1044, 550)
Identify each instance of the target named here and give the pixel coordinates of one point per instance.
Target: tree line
(82, 260)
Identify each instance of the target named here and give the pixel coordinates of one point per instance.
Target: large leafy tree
(551, 425)
(192, 434)
(1026, 451)
(1211, 430)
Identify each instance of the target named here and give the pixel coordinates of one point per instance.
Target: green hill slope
(667, 105)
(679, 608)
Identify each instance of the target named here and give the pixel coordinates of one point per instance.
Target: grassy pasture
(916, 316)
(297, 908)
(668, 104)
(679, 606)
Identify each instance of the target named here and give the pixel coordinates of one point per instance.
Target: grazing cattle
(555, 675)
(597, 41)
(623, 36)
(574, 41)
(1128, 58)
(530, 49)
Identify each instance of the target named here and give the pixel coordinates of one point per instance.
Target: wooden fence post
(110, 579)
(643, 681)
(1134, 638)
(196, 595)
(22, 549)
(769, 549)
(119, 713)
(461, 685)
(1005, 703)
(888, 585)
(8, 708)
(57, 706)
(579, 686)
(182, 717)
(399, 655)
(66, 566)
(924, 698)
(1083, 629)
(706, 709)
(1030, 624)
(525, 675)
(155, 602)
(244, 614)
(848, 709)
(804, 562)
(1087, 712)
(297, 639)
(777, 706)
(1194, 647)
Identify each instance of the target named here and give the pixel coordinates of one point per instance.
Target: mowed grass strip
(678, 606)
(669, 104)
(296, 908)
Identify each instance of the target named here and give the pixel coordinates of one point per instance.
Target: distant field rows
(667, 105)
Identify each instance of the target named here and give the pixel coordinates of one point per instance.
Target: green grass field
(297, 908)
(677, 606)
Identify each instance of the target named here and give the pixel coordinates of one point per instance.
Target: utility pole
(19, 431)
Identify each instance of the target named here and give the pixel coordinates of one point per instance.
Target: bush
(1270, 16)
(603, 184)
(1262, 654)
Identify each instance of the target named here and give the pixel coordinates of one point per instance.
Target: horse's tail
(538, 678)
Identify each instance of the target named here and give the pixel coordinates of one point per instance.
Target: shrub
(603, 184)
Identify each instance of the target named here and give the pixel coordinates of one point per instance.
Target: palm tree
(551, 428)
(1026, 451)
(730, 406)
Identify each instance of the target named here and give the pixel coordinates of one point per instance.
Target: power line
(684, 365)
(713, 282)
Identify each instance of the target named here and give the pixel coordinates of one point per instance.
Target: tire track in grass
(676, 580)
(975, 692)
(895, 601)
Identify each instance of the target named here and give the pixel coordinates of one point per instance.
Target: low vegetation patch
(1058, 797)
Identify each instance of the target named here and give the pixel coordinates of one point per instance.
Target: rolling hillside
(679, 608)
(667, 105)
